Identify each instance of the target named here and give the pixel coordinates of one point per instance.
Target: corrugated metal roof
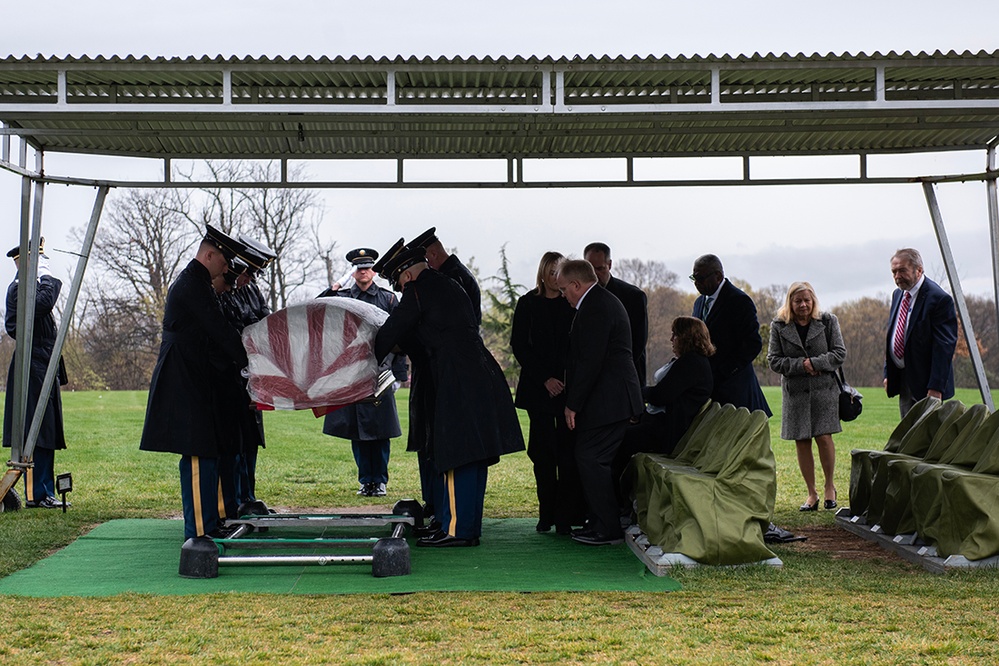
(440, 107)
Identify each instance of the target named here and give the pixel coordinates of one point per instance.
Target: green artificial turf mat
(143, 555)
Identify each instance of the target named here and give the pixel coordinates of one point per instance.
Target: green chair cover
(715, 509)
(708, 406)
(936, 431)
(861, 471)
(896, 514)
(957, 510)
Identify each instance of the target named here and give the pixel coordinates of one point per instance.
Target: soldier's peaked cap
(257, 247)
(226, 244)
(254, 259)
(428, 237)
(403, 260)
(15, 251)
(362, 257)
(389, 254)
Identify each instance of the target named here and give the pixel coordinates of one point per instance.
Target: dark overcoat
(183, 412)
(472, 414)
(636, 304)
(735, 333)
(601, 384)
(810, 403)
(540, 342)
(370, 421)
(930, 340)
(51, 435)
(454, 269)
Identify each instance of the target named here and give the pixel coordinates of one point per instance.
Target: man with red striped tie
(921, 335)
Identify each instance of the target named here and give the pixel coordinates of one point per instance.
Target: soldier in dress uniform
(369, 426)
(441, 260)
(183, 412)
(252, 308)
(233, 400)
(468, 418)
(39, 480)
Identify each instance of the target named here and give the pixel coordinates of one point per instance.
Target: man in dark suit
(602, 394)
(730, 315)
(634, 300)
(921, 335)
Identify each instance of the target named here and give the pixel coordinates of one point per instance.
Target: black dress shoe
(809, 507)
(442, 539)
(427, 530)
(563, 530)
(543, 526)
(593, 538)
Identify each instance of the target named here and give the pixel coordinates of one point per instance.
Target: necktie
(898, 343)
(704, 307)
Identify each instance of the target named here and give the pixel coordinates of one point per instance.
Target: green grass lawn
(822, 607)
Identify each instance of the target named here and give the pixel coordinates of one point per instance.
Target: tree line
(148, 236)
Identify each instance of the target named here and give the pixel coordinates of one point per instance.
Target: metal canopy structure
(504, 108)
(510, 109)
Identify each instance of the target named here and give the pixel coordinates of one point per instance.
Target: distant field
(834, 601)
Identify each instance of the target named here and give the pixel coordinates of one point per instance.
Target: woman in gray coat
(806, 348)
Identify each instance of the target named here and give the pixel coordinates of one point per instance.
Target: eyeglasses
(694, 277)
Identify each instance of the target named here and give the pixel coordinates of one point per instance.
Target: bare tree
(665, 305)
(862, 323)
(285, 219)
(646, 275)
(143, 243)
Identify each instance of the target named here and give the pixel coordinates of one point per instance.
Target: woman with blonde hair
(540, 342)
(806, 349)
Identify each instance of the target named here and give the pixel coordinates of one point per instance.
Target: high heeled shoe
(809, 507)
(830, 503)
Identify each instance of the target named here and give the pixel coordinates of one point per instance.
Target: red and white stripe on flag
(315, 354)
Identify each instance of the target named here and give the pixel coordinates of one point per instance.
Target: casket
(316, 355)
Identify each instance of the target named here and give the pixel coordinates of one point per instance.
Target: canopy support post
(955, 285)
(67, 316)
(993, 204)
(27, 287)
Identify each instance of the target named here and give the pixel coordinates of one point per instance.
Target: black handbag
(850, 405)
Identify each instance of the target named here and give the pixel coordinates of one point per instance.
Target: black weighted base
(199, 558)
(254, 508)
(390, 557)
(411, 508)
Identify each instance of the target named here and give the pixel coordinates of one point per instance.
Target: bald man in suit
(602, 394)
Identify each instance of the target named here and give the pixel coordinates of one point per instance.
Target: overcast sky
(839, 238)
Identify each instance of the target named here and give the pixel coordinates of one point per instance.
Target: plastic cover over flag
(314, 355)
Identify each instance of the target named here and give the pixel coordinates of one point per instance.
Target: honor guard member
(369, 426)
(421, 399)
(471, 420)
(440, 260)
(39, 480)
(183, 413)
(252, 307)
(233, 400)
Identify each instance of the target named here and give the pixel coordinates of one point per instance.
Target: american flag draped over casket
(314, 355)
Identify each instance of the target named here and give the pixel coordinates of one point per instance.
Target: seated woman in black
(681, 388)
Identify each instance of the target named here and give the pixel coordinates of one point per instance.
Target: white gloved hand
(43, 266)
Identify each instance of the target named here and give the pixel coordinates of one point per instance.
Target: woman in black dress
(540, 341)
